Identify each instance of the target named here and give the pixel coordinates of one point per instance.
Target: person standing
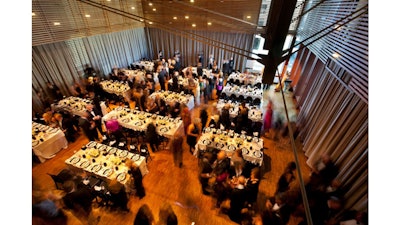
(95, 115)
(161, 77)
(88, 127)
(268, 119)
(177, 150)
(193, 133)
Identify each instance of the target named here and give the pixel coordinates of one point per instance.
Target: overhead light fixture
(87, 15)
(191, 1)
(335, 55)
(193, 25)
(186, 17)
(57, 23)
(33, 14)
(150, 22)
(150, 4)
(175, 18)
(209, 23)
(141, 20)
(154, 9)
(132, 7)
(108, 0)
(248, 17)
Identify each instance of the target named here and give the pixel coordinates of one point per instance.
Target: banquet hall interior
(199, 112)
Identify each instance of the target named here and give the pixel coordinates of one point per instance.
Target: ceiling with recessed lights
(60, 20)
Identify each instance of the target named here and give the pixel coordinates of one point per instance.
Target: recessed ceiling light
(132, 7)
(150, 22)
(335, 55)
(141, 20)
(150, 4)
(33, 14)
(56, 23)
(175, 18)
(154, 9)
(209, 23)
(191, 1)
(186, 17)
(108, 0)
(87, 15)
(248, 17)
(193, 25)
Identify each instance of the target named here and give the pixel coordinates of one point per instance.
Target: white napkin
(121, 144)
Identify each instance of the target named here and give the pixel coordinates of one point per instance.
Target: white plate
(245, 151)
(231, 148)
(121, 177)
(123, 154)
(135, 157)
(74, 160)
(91, 144)
(257, 153)
(108, 172)
(35, 143)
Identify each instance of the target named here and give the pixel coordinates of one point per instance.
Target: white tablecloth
(53, 141)
(235, 90)
(76, 106)
(245, 78)
(148, 65)
(139, 120)
(139, 75)
(255, 113)
(252, 147)
(172, 97)
(103, 161)
(117, 87)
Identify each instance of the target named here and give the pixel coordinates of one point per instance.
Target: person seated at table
(150, 84)
(214, 122)
(48, 119)
(151, 106)
(242, 118)
(78, 199)
(118, 195)
(237, 163)
(152, 136)
(66, 125)
(162, 106)
(175, 111)
(114, 129)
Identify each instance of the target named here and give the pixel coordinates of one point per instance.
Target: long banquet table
(172, 97)
(139, 120)
(245, 78)
(235, 90)
(105, 161)
(255, 113)
(252, 147)
(117, 87)
(76, 105)
(47, 141)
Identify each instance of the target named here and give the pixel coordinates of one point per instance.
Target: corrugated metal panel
(347, 45)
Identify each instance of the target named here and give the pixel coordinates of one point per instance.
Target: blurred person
(144, 216)
(286, 178)
(193, 133)
(151, 106)
(162, 77)
(224, 118)
(78, 199)
(152, 137)
(186, 117)
(88, 127)
(177, 149)
(214, 122)
(205, 174)
(54, 91)
(237, 163)
(252, 186)
(238, 199)
(47, 209)
(277, 211)
(118, 195)
(203, 117)
(66, 125)
(268, 119)
(136, 179)
(323, 172)
(95, 115)
(48, 119)
(220, 84)
(175, 110)
(166, 215)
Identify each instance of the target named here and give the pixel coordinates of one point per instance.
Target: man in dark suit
(88, 127)
(161, 77)
(95, 115)
(238, 198)
(66, 125)
(78, 199)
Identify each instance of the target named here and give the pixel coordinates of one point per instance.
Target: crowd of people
(232, 181)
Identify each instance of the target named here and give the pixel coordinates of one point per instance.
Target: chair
(57, 181)
(249, 100)
(144, 151)
(163, 142)
(257, 101)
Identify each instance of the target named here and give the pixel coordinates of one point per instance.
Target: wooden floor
(179, 186)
